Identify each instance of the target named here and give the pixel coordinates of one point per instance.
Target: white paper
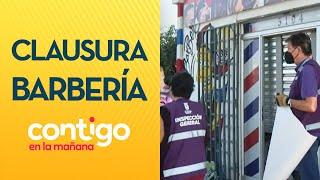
(289, 143)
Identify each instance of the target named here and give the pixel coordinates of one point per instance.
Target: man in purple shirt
(304, 98)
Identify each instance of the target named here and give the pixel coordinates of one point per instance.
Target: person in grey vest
(304, 98)
(182, 135)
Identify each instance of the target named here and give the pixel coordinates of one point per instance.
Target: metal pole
(222, 100)
(229, 102)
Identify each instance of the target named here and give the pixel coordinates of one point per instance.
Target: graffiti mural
(209, 56)
(190, 50)
(272, 1)
(191, 60)
(189, 13)
(214, 59)
(190, 55)
(198, 58)
(202, 11)
(219, 8)
(235, 6)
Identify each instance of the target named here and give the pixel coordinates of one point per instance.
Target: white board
(289, 143)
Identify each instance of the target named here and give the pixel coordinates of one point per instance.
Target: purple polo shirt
(306, 84)
(308, 81)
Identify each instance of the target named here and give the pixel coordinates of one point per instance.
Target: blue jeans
(308, 167)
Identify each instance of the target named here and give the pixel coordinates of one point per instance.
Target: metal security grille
(270, 78)
(288, 71)
(218, 77)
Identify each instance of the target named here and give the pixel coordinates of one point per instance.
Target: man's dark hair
(302, 40)
(182, 85)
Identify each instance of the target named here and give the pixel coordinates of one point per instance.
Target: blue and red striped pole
(179, 60)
